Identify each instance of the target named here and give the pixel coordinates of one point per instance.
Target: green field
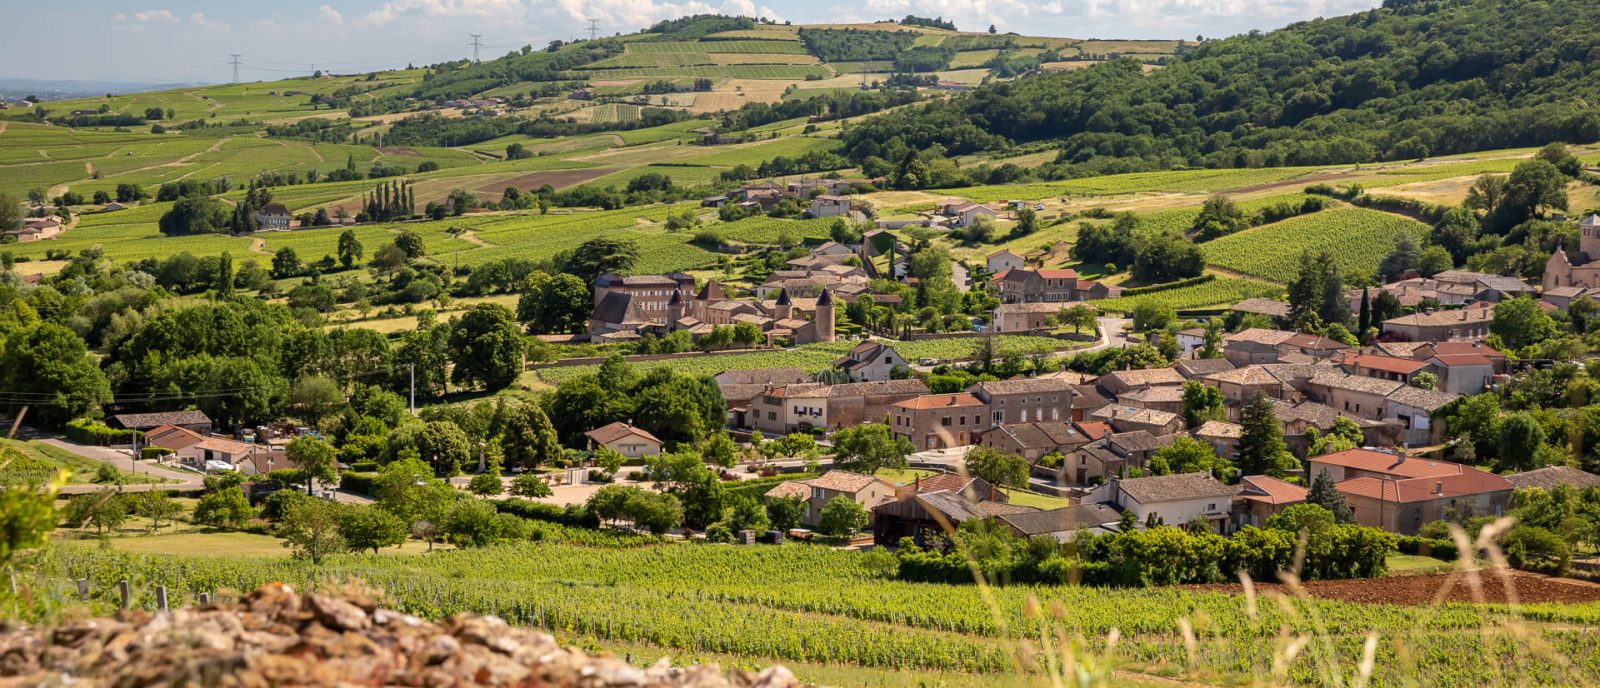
(780, 71)
(1178, 181)
(824, 606)
(1357, 238)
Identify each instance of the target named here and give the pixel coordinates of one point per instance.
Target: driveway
(123, 460)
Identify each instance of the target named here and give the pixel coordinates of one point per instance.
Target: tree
(530, 485)
(316, 398)
(315, 457)
(1316, 281)
(1520, 322)
(1425, 380)
(1201, 403)
(555, 304)
(1533, 185)
(474, 523)
(997, 467)
(406, 488)
(104, 510)
(29, 516)
(1324, 494)
(49, 366)
(842, 517)
(1189, 455)
(157, 506)
(350, 249)
(600, 256)
(410, 243)
(226, 508)
(310, 529)
(487, 484)
(526, 434)
(286, 263)
(486, 347)
(869, 447)
(194, 214)
(370, 527)
(1261, 447)
(10, 212)
(1212, 346)
(784, 513)
(719, 450)
(1521, 436)
(1220, 216)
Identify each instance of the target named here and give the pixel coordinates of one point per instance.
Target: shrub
(358, 482)
(86, 431)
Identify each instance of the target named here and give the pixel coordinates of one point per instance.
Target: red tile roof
(1272, 490)
(1388, 464)
(1059, 273)
(1448, 360)
(1470, 481)
(1401, 366)
(935, 401)
(1093, 429)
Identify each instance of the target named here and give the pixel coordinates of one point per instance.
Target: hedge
(575, 515)
(85, 431)
(357, 482)
(1427, 547)
(1189, 282)
(153, 452)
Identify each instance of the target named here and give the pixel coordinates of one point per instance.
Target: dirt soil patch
(557, 179)
(390, 150)
(1423, 590)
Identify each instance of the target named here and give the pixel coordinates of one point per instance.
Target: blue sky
(189, 40)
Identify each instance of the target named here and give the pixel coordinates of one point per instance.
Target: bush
(574, 515)
(365, 466)
(1427, 547)
(357, 482)
(1535, 549)
(152, 453)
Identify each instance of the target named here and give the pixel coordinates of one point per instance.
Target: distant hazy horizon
(161, 42)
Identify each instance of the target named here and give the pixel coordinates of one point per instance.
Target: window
(772, 415)
(999, 416)
(945, 421)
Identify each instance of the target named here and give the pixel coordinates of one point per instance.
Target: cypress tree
(1364, 321)
(1324, 494)
(1261, 447)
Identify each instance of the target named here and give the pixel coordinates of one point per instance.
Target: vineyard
(815, 357)
(1217, 292)
(781, 71)
(1179, 181)
(823, 606)
(1356, 237)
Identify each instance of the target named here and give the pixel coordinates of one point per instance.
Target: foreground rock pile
(276, 637)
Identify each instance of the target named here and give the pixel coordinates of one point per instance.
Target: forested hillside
(1409, 80)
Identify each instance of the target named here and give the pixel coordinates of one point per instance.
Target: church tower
(784, 308)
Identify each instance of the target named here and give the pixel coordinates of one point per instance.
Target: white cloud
(330, 16)
(498, 10)
(199, 19)
(155, 17)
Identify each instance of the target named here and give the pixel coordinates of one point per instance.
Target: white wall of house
(1177, 513)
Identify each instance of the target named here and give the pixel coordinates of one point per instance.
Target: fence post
(122, 587)
(161, 598)
(205, 598)
(83, 589)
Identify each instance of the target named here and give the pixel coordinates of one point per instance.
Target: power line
(235, 62)
(477, 42)
(594, 29)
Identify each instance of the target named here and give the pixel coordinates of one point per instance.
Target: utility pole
(412, 368)
(235, 62)
(594, 29)
(477, 42)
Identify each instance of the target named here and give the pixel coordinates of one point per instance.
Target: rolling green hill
(1409, 80)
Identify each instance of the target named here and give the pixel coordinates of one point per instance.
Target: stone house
(866, 490)
(1174, 500)
(1026, 399)
(1034, 440)
(939, 421)
(624, 439)
(869, 361)
(805, 407)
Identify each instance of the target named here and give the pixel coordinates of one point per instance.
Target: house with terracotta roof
(273, 216)
(1119, 382)
(1003, 260)
(1400, 494)
(1272, 308)
(808, 406)
(624, 439)
(1128, 419)
(1240, 385)
(1063, 524)
(1261, 497)
(939, 421)
(938, 504)
(1033, 440)
(869, 361)
(1222, 436)
(1383, 367)
(1196, 368)
(866, 490)
(1462, 367)
(1173, 500)
(1441, 325)
(194, 420)
(1257, 346)
(1020, 400)
(1047, 285)
(1164, 398)
(1552, 477)
(198, 450)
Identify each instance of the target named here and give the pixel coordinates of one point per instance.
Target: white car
(218, 466)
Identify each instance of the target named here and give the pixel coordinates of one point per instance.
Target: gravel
(276, 637)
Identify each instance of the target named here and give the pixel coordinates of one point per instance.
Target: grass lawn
(1034, 499)
(82, 468)
(219, 544)
(901, 476)
(1415, 565)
